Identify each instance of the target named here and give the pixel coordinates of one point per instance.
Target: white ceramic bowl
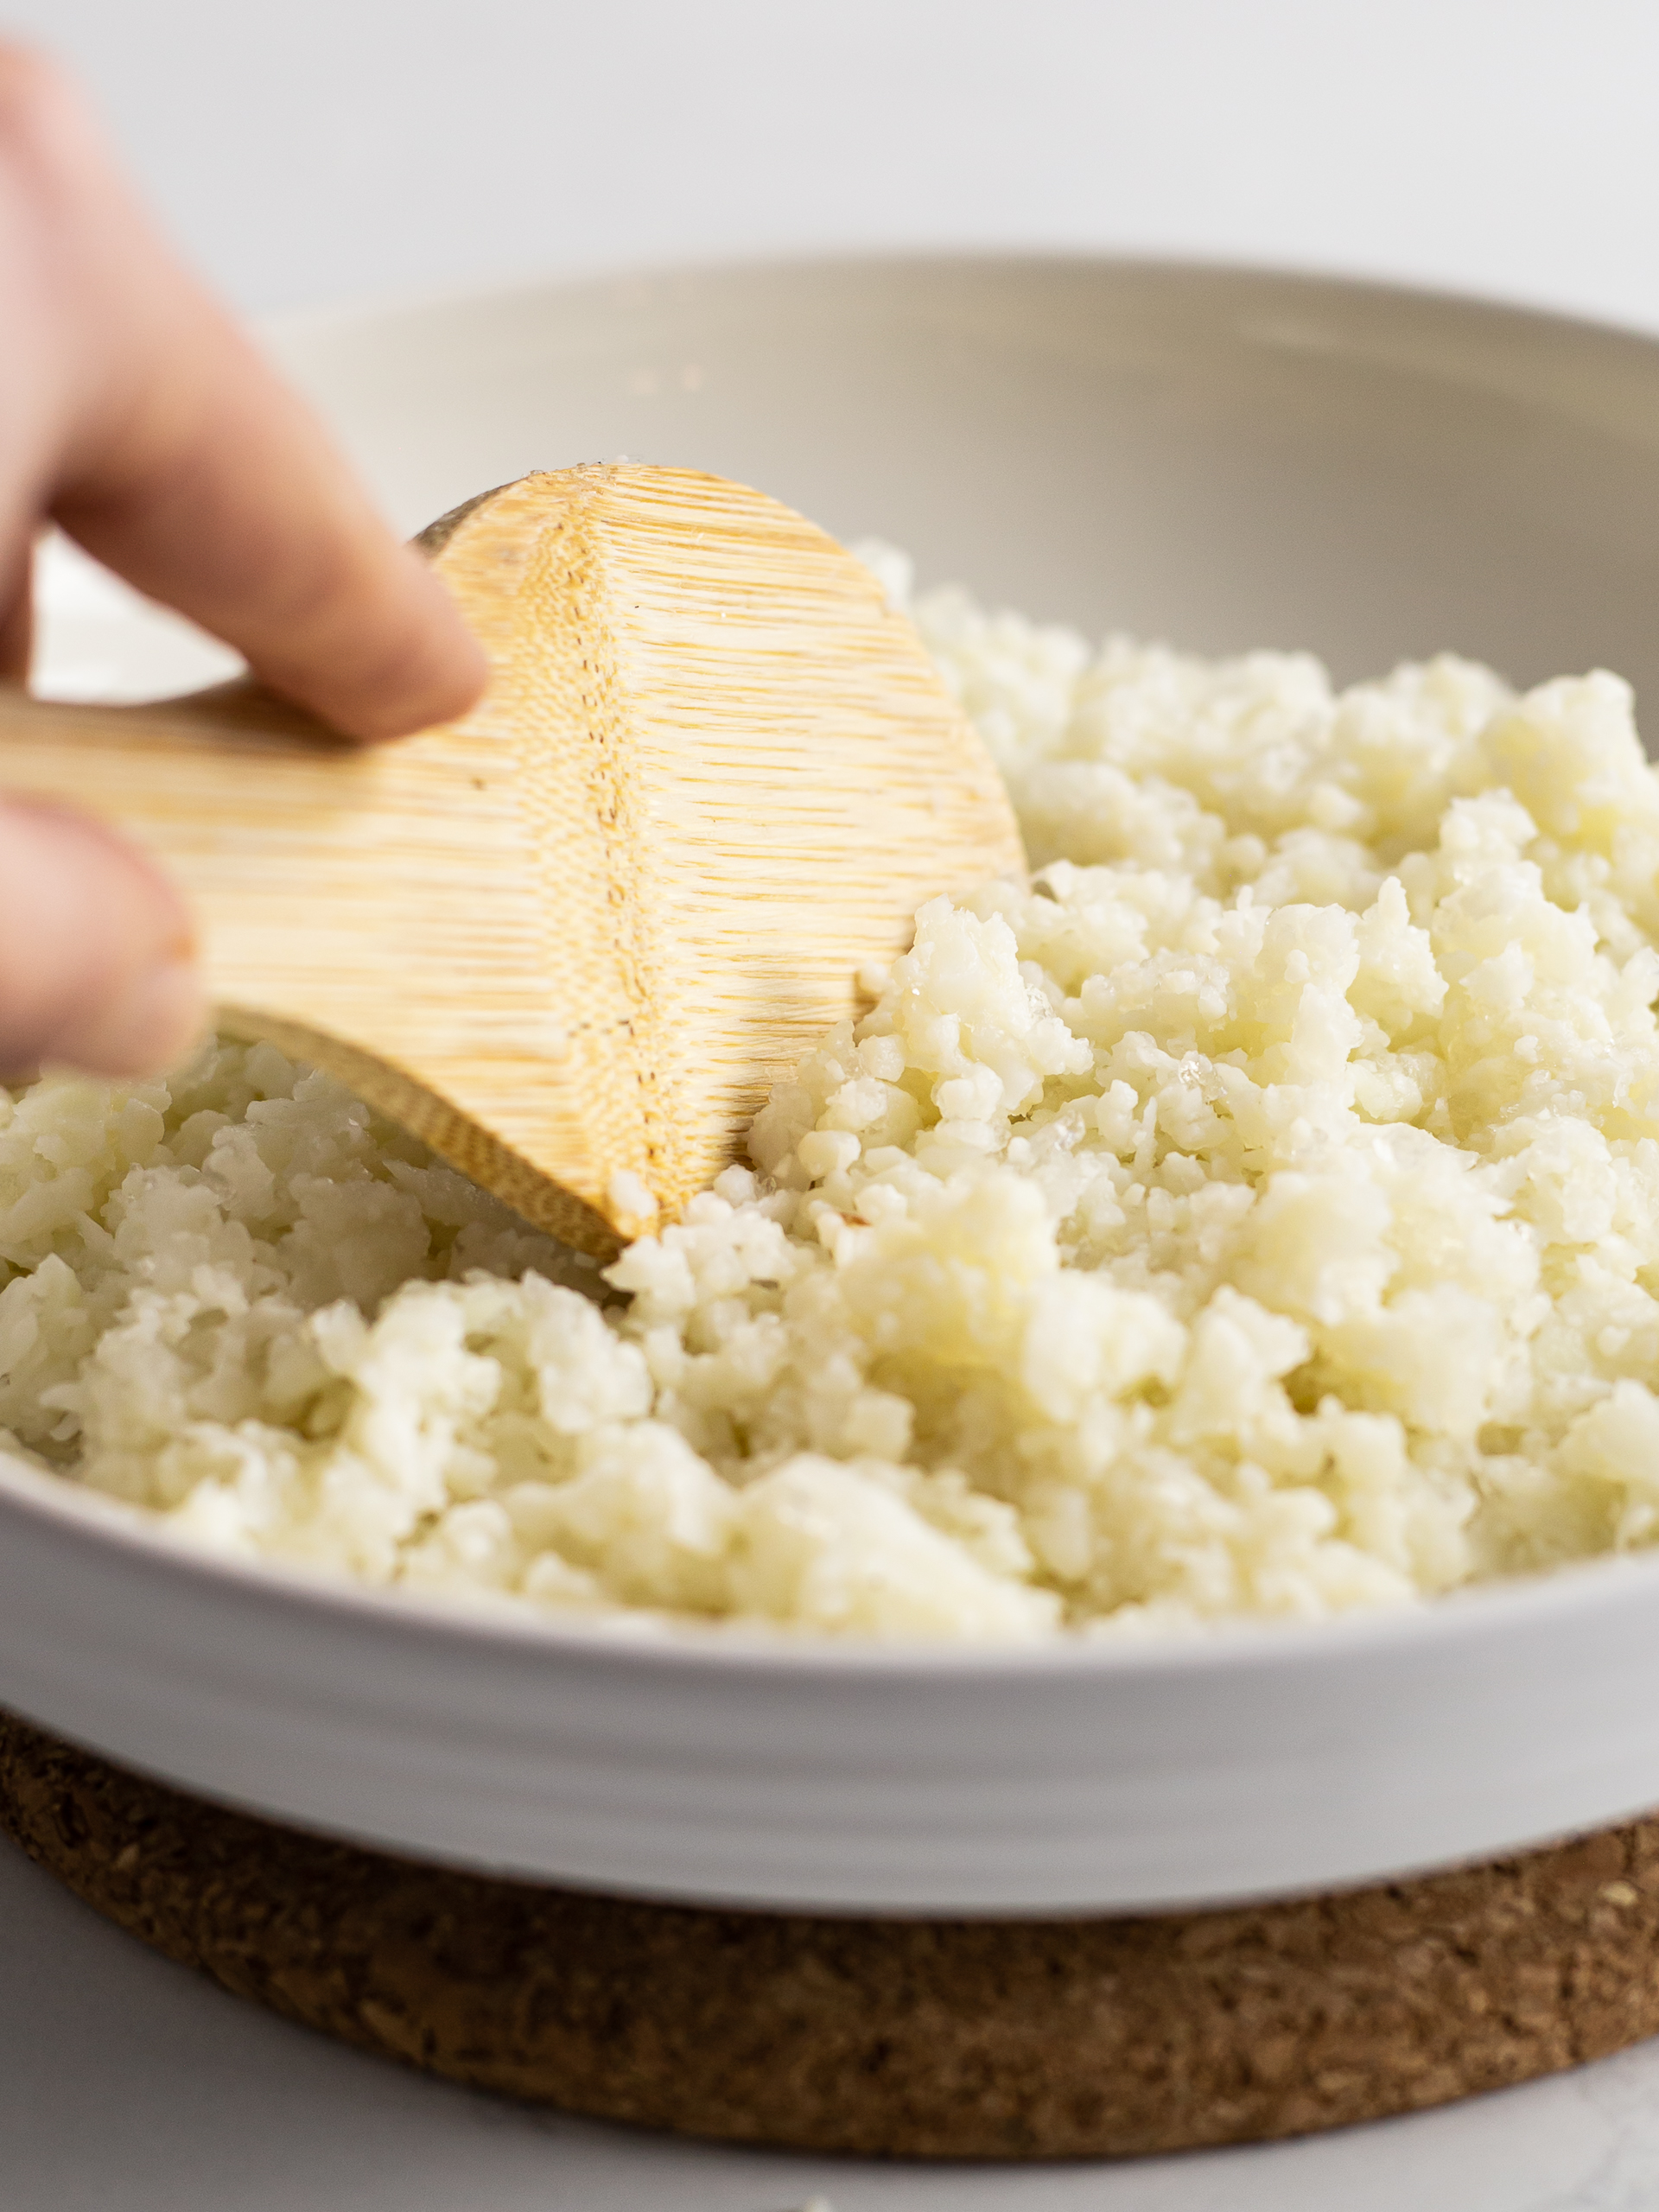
(1220, 457)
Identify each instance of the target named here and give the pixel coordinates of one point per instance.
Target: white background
(311, 151)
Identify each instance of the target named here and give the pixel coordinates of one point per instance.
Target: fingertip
(425, 666)
(97, 949)
(144, 1027)
(442, 673)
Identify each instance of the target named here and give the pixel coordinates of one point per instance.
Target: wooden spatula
(571, 939)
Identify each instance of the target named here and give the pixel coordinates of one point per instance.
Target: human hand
(134, 414)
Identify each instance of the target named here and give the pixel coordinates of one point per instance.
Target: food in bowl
(1258, 1212)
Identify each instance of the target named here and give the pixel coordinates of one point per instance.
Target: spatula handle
(238, 795)
(163, 769)
(326, 879)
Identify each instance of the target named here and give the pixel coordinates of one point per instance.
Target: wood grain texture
(582, 929)
(942, 2038)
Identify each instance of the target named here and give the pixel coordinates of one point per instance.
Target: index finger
(169, 449)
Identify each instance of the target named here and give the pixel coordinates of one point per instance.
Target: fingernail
(147, 1029)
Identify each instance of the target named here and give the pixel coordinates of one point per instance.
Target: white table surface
(127, 2084)
(332, 148)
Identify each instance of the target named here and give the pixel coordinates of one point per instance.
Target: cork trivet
(951, 2038)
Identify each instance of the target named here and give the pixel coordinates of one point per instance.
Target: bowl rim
(322, 318)
(649, 1641)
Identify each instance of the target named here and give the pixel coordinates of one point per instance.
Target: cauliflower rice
(1257, 1213)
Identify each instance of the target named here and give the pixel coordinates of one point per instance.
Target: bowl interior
(1213, 457)
(1217, 458)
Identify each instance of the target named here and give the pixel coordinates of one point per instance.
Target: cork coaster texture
(962, 2038)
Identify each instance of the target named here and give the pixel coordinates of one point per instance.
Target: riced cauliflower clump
(1256, 1213)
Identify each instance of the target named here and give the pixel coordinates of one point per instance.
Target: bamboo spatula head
(572, 939)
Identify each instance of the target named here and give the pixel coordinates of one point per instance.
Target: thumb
(97, 951)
